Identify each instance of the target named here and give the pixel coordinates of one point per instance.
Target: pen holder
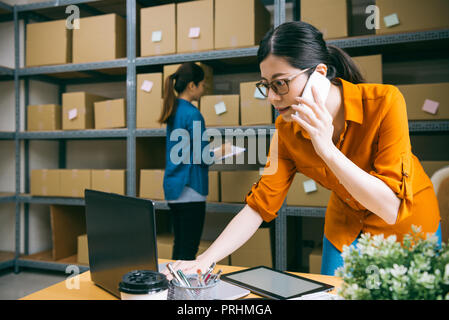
(179, 291)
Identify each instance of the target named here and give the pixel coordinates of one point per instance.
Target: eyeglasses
(279, 86)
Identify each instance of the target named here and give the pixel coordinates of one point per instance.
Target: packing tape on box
(107, 174)
(75, 173)
(44, 174)
(44, 190)
(157, 49)
(40, 125)
(194, 44)
(234, 41)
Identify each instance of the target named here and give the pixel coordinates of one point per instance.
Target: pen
(207, 274)
(174, 274)
(217, 276)
(184, 278)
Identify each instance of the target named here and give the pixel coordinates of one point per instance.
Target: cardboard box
(48, 43)
(254, 111)
(74, 182)
(240, 23)
(110, 114)
(152, 184)
(67, 223)
(430, 167)
(83, 250)
(169, 69)
(214, 187)
(112, 181)
(78, 110)
(158, 30)
(370, 67)
(315, 258)
(165, 248)
(46, 117)
(235, 185)
(210, 104)
(99, 38)
(412, 15)
(255, 252)
(149, 100)
(195, 26)
(298, 196)
(45, 182)
(328, 16)
(417, 96)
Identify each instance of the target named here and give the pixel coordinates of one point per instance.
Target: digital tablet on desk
(275, 284)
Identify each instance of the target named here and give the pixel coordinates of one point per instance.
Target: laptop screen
(121, 233)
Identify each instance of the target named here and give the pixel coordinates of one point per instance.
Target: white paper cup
(144, 285)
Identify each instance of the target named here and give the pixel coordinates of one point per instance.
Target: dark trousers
(188, 222)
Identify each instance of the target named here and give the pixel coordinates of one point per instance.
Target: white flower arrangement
(381, 268)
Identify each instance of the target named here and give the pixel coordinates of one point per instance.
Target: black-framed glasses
(279, 86)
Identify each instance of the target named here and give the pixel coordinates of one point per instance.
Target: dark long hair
(303, 46)
(178, 82)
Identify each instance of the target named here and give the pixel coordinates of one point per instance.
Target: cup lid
(143, 282)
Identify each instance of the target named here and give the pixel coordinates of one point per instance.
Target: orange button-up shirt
(376, 138)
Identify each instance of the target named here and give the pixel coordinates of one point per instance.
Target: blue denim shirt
(184, 163)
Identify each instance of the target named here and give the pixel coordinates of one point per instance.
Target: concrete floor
(15, 286)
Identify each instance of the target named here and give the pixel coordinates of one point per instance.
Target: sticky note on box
(220, 108)
(310, 186)
(430, 106)
(147, 86)
(391, 20)
(73, 113)
(156, 36)
(194, 32)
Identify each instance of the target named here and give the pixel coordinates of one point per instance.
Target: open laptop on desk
(121, 234)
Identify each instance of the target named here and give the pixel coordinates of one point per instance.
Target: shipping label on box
(44, 117)
(229, 118)
(254, 108)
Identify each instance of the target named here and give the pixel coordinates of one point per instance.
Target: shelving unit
(127, 72)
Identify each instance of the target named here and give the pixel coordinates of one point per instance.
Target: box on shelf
(221, 110)
(67, 223)
(45, 182)
(240, 23)
(112, 181)
(158, 30)
(255, 109)
(149, 100)
(306, 192)
(169, 69)
(195, 26)
(370, 67)
(430, 167)
(99, 38)
(74, 182)
(151, 184)
(46, 117)
(48, 43)
(83, 250)
(255, 252)
(315, 258)
(412, 15)
(328, 16)
(110, 114)
(235, 185)
(426, 101)
(78, 110)
(165, 247)
(214, 186)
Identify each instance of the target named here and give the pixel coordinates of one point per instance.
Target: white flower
(398, 271)
(427, 280)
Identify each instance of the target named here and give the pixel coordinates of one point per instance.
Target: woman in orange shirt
(355, 143)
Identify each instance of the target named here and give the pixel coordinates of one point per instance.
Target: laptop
(121, 235)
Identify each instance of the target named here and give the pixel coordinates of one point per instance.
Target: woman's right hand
(189, 266)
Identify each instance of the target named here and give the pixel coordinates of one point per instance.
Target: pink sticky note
(73, 113)
(147, 86)
(430, 106)
(194, 32)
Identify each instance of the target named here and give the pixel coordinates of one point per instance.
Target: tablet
(274, 284)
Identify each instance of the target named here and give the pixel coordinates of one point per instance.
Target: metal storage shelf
(7, 197)
(99, 70)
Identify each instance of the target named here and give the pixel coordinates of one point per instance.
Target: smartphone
(321, 83)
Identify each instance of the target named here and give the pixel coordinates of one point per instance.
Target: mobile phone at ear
(321, 84)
